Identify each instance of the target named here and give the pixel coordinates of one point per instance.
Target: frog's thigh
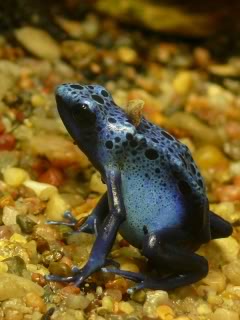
(164, 253)
(219, 227)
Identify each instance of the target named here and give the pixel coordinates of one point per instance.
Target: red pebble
(7, 141)
(52, 176)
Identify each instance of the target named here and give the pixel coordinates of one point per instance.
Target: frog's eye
(83, 114)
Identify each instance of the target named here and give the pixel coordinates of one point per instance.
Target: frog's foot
(70, 220)
(80, 275)
(134, 276)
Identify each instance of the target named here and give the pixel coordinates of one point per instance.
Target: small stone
(3, 267)
(153, 300)
(35, 301)
(125, 307)
(224, 314)
(127, 55)
(96, 183)
(13, 286)
(60, 269)
(9, 216)
(25, 223)
(108, 303)
(165, 312)
(183, 82)
(77, 301)
(38, 100)
(38, 42)
(203, 309)
(56, 207)
(15, 265)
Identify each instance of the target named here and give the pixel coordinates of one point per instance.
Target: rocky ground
(185, 89)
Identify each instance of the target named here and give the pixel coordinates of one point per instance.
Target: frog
(156, 196)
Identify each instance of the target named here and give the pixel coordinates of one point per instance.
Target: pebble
(232, 272)
(43, 190)
(96, 183)
(183, 82)
(56, 206)
(153, 300)
(228, 247)
(125, 307)
(224, 314)
(9, 73)
(126, 54)
(25, 223)
(14, 177)
(15, 265)
(59, 268)
(165, 312)
(77, 301)
(13, 286)
(216, 280)
(35, 301)
(108, 303)
(38, 42)
(9, 216)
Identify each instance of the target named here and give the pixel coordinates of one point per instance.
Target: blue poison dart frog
(156, 198)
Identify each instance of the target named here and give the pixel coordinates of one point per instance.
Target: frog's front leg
(106, 233)
(93, 221)
(166, 254)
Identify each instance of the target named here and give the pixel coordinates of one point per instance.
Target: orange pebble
(120, 284)
(228, 193)
(52, 176)
(70, 290)
(236, 181)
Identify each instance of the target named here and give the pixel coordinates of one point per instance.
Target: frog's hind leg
(93, 221)
(164, 253)
(219, 227)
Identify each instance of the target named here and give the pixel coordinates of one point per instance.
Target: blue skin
(155, 195)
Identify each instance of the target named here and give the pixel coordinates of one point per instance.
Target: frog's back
(161, 185)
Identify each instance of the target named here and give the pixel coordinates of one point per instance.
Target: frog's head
(99, 127)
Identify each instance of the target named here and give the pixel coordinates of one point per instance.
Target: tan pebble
(38, 42)
(108, 303)
(203, 309)
(10, 314)
(165, 312)
(12, 286)
(125, 307)
(224, 314)
(16, 237)
(153, 300)
(38, 100)
(77, 302)
(56, 206)
(36, 302)
(96, 183)
(14, 177)
(126, 54)
(128, 266)
(228, 247)
(232, 272)
(3, 267)
(210, 156)
(9, 216)
(216, 280)
(182, 318)
(183, 82)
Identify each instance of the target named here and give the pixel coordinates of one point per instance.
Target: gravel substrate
(43, 173)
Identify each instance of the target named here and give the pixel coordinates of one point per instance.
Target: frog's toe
(70, 220)
(52, 277)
